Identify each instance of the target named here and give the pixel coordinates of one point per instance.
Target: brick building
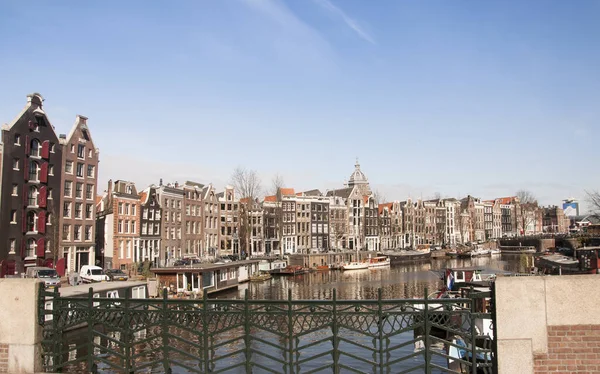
(30, 190)
(78, 189)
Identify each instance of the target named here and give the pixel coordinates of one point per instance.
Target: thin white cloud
(294, 38)
(350, 22)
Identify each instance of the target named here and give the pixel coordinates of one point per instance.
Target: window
(126, 227)
(72, 148)
(69, 167)
(32, 222)
(15, 190)
(66, 232)
(78, 207)
(223, 275)
(68, 188)
(67, 210)
(17, 139)
(132, 225)
(89, 191)
(88, 232)
(77, 232)
(50, 169)
(80, 151)
(13, 216)
(35, 148)
(30, 251)
(132, 210)
(52, 146)
(49, 220)
(127, 209)
(32, 196)
(15, 164)
(88, 211)
(90, 153)
(12, 245)
(80, 169)
(120, 208)
(79, 190)
(90, 171)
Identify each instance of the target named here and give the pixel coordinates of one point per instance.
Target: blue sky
(456, 97)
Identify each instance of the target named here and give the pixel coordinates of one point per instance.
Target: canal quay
(289, 326)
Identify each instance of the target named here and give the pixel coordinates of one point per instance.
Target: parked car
(49, 276)
(91, 274)
(116, 275)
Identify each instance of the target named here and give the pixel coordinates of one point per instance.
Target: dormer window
(36, 149)
(128, 189)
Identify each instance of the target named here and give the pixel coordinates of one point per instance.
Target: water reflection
(396, 282)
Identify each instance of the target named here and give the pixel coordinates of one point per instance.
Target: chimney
(63, 136)
(160, 183)
(82, 119)
(110, 186)
(35, 99)
(176, 184)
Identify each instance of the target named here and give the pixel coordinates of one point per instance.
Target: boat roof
(203, 267)
(97, 287)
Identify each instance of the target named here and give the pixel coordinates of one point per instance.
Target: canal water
(405, 281)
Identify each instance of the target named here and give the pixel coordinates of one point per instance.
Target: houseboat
(400, 257)
(516, 249)
(271, 264)
(207, 277)
(105, 290)
(379, 261)
(290, 270)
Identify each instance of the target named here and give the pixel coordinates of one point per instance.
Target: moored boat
(379, 261)
(290, 270)
(355, 265)
(409, 256)
(517, 249)
(260, 277)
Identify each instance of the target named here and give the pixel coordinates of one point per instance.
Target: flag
(449, 279)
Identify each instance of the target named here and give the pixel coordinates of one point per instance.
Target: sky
(451, 97)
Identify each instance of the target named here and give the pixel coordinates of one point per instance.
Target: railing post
(336, 341)
(473, 334)
(90, 332)
(56, 334)
(426, 328)
(247, 341)
(164, 331)
(380, 328)
(205, 339)
(127, 335)
(495, 330)
(290, 323)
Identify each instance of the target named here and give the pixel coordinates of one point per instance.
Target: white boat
(379, 261)
(495, 251)
(355, 265)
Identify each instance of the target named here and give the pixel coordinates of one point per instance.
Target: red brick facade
(3, 358)
(571, 349)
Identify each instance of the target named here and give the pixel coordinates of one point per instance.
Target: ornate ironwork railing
(267, 336)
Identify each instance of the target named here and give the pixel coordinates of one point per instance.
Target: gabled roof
(385, 205)
(506, 200)
(314, 192)
(271, 199)
(193, 184)
(143, 196)
(98, 199)
(342, 192)
(287, 191)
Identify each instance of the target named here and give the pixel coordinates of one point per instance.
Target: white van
(91, 274)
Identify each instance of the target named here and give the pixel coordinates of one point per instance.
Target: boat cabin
(207, 277)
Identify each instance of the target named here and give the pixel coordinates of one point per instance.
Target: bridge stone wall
(548, 324)
(20, 333)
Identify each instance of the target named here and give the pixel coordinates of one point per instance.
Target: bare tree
(379, 197)
(247, 186)
(593, 199)
(526, 197)
(528, 209)
(276, 183)
(437, 196)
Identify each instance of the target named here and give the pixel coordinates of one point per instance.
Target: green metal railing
(265, 336)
